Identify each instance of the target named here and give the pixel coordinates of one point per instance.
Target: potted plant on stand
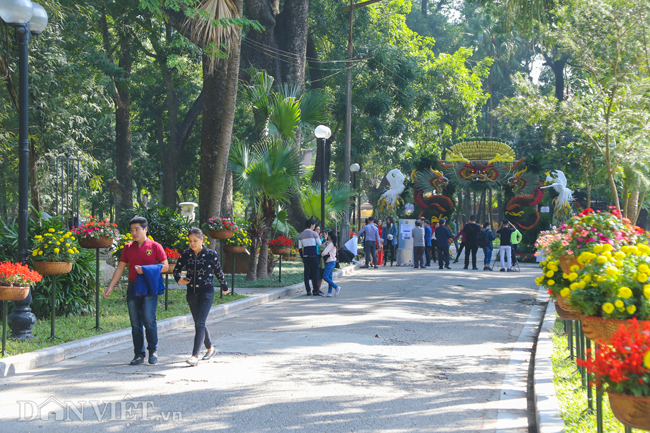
(281, 245)
(220, 228)
(238, 242)
(15, 281)
(95, 233)
(622, 368)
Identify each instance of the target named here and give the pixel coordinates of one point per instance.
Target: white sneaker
(328, 295)
(338, 289)
(192, 361)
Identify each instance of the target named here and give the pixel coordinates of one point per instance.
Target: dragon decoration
(480, 160)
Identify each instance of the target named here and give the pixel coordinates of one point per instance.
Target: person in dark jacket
(389, 239)
(471, 231)
(196, 268)
(443, 238)
(488, 246)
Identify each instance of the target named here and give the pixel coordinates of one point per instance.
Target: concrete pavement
(399, 350)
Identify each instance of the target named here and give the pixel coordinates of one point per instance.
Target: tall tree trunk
(227, 205)
(122, 99)
(251, 275)
(293, 24)
(425, 7)
(632, 204)
(262, 261)
(315, 73)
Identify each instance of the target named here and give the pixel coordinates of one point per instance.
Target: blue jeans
(142, 312)
(200, 305)
(327, 276)
(488, 256)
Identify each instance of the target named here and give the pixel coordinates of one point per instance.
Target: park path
(399, 350)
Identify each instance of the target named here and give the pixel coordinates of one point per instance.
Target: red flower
(281, 241)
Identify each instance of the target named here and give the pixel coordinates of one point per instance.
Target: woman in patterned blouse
(201, 265)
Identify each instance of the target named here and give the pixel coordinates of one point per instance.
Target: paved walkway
(399, 350)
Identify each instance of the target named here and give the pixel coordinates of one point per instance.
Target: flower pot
(94, 243)
(13, 293)
(234, 249)
(290, 258)
(280, 251)
(567, 261)
(631, 411)
(221, 234)
(597, 328)
(563, 303)
(567, 314)
(52, 268)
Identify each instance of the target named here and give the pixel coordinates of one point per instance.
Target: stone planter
(13, 293)
(52, 268)
(94, 243)
(221, 234)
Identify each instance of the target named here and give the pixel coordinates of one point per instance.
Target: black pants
(470, 249)
(434, 257)
(462, 245)
(418, 252)
(427, 253)
(389, 249)
(311, 272)
(443, 257)
(370, 248)
(513, 248)
(200, 304)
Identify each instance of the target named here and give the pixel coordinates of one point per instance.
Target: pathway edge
(50, 355)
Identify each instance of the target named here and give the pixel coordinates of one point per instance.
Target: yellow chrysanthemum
(646, 360)
(644, 269)
(40, 253)
(631, 309)
(71, 252)
(598, 249)
(51, 230)
(646, 291)
(574, 286)
(575, 268)
(38, 237)
(572, 276)
(624, 292)
(611, 271)
(550, 274)
(619, 304)
(587, 279)
(608, 308)
(56, 250)
(619, 255)
(565, 292)
(602, 260)
(607, 247)
(67, 244)
(642, 278)
(35, 253)
(550, 282)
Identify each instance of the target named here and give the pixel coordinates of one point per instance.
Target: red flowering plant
(17, 275)
(281, 242)
(172, 255)
(96, 228)
(623, 367)
(216, 223)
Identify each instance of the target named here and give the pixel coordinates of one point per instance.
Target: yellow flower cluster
(55, 246)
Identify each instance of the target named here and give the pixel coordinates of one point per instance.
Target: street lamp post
(354, 168)
(322, 133)
(27, 19)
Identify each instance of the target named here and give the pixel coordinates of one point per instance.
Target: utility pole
(345, 227)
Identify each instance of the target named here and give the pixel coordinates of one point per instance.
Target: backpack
(482, 239)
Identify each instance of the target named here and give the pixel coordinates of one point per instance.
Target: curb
(547, 407)
(39, 358)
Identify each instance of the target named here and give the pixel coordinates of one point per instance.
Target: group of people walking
(318, 253)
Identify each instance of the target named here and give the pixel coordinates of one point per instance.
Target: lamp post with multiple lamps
(26, 18)
(354, 168)
(322, 133)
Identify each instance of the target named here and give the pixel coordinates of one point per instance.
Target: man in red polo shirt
(142, 309)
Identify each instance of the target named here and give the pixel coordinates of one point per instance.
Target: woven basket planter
(281, 251)
(567, 314)
(221, 234)
(290, 258)
(566, 307)
(94, 243)
(13, 293)
(52, 268)
(567, 261)
(234, 249)
(631, 411)
(596, 328)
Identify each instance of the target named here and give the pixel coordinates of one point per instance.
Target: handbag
(322, 262)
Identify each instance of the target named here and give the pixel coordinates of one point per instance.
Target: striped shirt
(308, 243)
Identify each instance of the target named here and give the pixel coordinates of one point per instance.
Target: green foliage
(336, 200)
(165, 224)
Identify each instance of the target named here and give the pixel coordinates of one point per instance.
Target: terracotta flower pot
(221, 234)
(597, 328)
(52, 268)
(13, 293)
(567, 261)
(94, 243)
(234, 249)
(631, 411)
(280, 251)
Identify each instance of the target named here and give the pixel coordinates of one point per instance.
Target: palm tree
(268, 172)
(336, 199)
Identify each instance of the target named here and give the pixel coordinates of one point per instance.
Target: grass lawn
(570, 393)
(114, 316)
(292, 273)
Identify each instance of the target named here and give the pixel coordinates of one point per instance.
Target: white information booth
(405, 250)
